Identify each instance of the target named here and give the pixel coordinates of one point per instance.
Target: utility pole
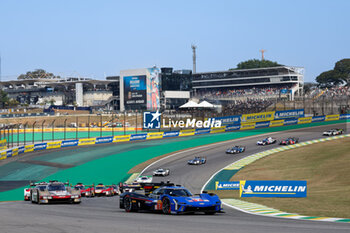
(194, 58)
(262, 53)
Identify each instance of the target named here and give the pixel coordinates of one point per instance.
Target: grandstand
(259, 83)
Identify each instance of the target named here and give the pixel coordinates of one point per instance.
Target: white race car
(333, 132)
(161, 172)
(144, 179)
(266, 141)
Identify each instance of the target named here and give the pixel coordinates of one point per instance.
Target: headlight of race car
(75, 196)
(47, 197)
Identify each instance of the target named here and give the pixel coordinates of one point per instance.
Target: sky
(99, 38)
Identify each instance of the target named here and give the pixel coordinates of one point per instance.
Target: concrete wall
(92, 98)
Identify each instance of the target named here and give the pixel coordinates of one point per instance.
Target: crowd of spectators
(337, 91)
(239, 92)
(247, 106)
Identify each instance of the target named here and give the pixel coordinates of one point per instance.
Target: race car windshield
(58, 187)
(79, 187)
(178, 192)
(41, 188)
(100, 187)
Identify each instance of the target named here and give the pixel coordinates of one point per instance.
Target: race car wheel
(166, 207)
(32, 197)
(37, 197)
(128, 205)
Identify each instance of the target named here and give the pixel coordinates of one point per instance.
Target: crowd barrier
(159, 135)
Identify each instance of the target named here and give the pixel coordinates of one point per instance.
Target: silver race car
(161, 172)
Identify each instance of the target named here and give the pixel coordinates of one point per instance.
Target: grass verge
(326, 168)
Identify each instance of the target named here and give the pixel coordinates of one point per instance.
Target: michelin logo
(231, 185)
(151, 120)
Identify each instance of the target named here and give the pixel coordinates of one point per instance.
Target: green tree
(339, 75)
(38, 74)
(342, 68)
(256, 63)
(4, 99)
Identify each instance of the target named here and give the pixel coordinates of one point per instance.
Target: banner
(229, 120)
(218, 130)
(289, 114)
(121, 138)
(52, 145)
(9, 153)
(21, 150)
(332, 117)
(3, 144)
(304, 120)
(248, 126)
(232, 127)
(255, 117)
(272, 188)
(202, 131)
(14, 151)
(100, 140)
(3, 155)
(344, 116)
(69, 143)
(171, 134)
(276, 123)
(318, 118)
(230, 185)
(157, 135)
(134, 137)
(40, 146)
(186, 132)
(28, 148)
(262, 124)
(290, 121)
(86, 141)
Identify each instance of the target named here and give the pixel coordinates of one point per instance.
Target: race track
(103, 214)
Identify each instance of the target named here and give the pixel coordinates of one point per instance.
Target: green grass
(325, 167)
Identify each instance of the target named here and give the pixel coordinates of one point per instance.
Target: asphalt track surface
(103, 214)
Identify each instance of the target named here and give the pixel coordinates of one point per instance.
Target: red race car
(103, 190)
(85, 190)
(289, 141)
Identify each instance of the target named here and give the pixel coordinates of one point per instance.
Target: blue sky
(98, 38)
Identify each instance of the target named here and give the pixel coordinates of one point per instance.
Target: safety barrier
(180, 133)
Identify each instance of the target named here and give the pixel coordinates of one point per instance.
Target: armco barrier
(159, 135)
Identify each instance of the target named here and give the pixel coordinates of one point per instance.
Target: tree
(4, 99)
(38, 74)
(342, 68)
(338, 76)
(255, 63)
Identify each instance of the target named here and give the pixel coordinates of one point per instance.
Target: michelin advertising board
(272, 188)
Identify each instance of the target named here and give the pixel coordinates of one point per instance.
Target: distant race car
(27, 191)
(235, 150)
(197, 161)
(170, 199)
(103, 190)
(161, 172)
(289, 141)
(124, 187)
(333, 132)
(54, 192)
(266, 141)
(144, 179)
(85, 190)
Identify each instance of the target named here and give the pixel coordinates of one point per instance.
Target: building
(68, 91)
(288, 80)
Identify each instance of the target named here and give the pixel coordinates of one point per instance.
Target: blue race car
(235, 150)
(170, 199)
(197, 161)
